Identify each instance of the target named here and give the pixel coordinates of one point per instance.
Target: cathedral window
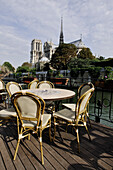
(38, 46)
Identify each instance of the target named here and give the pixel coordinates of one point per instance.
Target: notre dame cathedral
(37, 57)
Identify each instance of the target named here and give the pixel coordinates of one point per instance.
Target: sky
(21, 21)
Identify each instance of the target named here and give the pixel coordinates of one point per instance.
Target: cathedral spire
(61, 40)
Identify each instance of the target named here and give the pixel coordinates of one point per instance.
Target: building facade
(49, 49)
(36, 54)
(36, 51)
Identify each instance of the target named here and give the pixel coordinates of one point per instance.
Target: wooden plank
(58, 158)
(5, 154)
(33, 153)
(91, 155)
(104, 143)
(94, 160)
(21, 155)
(77, 159)
(21, 159)
(102, 128)
(97, 154)
(98, 151)
(34, 156)
(2, 165)
(49, 158)
(72, 158)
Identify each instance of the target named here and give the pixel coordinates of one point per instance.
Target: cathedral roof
(78, 43)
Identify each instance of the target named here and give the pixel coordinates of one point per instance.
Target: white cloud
(21, 21)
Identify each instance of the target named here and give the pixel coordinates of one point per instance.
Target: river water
(101, 104)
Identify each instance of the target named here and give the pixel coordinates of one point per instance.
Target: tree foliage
(26, 64)
(26, 69)
(63, 55)
(108, 70)
(94, 71)
(9, 66)
(79, 63)
(105, 63)
(22, 69)
(101, 58)
(85, 53)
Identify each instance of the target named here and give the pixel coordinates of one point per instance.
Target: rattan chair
(31, 117)
(3, 93)
(12, 87)
(9, 114)
(45, 85)
(50, 105)
(33, 84)
(75, 118)
(2, 85)
(81, 90)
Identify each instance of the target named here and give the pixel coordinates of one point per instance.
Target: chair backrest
(82, 102)
(12, 87)
(29, 107)
(45, 85)
(33, 84)
(2, 84)
(84, 87)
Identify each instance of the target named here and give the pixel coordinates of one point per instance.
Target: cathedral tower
(36, 51)
(61, 40)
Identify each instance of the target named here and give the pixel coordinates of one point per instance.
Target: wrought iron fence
(101, 104)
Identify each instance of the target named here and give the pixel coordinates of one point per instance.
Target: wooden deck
(97, 154)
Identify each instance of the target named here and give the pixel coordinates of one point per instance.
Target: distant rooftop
(78, 43)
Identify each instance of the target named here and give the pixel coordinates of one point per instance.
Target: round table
(52, 94)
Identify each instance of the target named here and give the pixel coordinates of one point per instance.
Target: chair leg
(18, 125)
(54, 133)
(76, 130)
(29, 137)
(66, 126)
(78, 140)
(88, 132)
(54, 129)
(88, 115)
(16, 149)
(50, 133)
(1, 122)
(41, 147)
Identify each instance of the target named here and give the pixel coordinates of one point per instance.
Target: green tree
(26, 69)
(74, 72)
(63, 55)
(26, 64)
(22, 69)
(9, 66)
(32, 71)
(101, 58)
(85, 53)
(108, 70)
(94, 72)
(79, 63)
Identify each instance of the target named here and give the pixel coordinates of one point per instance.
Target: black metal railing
(101, 104)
